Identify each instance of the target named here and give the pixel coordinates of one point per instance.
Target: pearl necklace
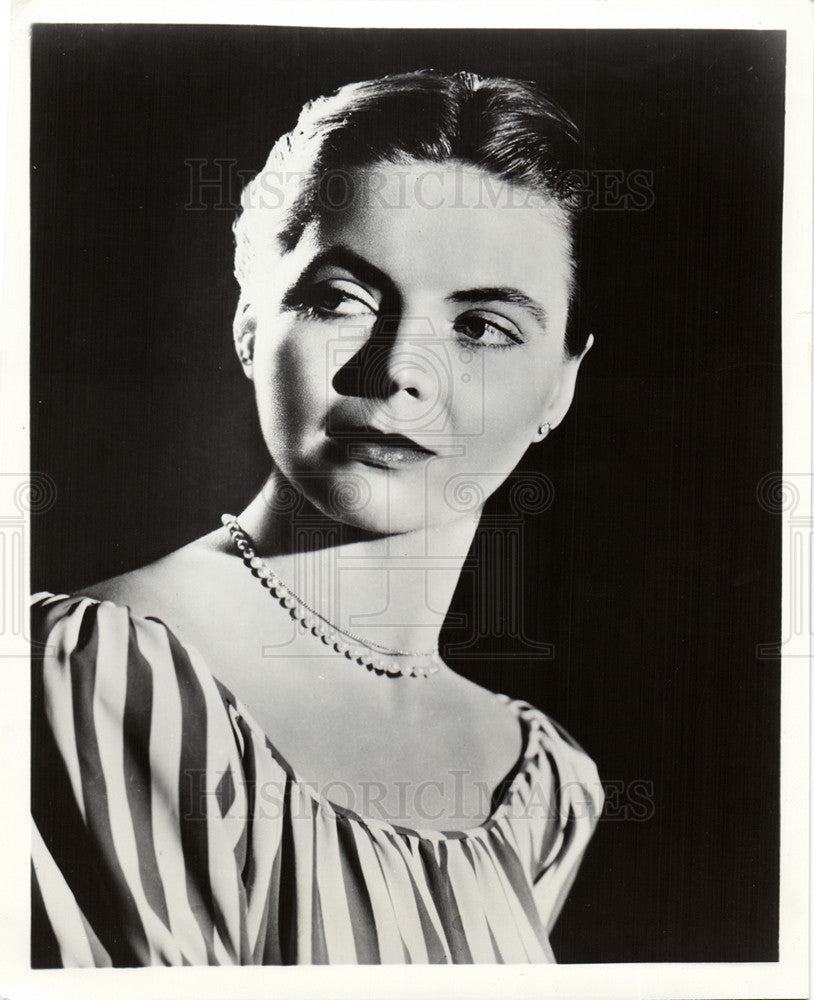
(362, 651)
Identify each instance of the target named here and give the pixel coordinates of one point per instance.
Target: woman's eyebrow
(342, 256)
(513, 296)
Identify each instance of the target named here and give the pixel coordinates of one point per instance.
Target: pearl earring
(542, 431)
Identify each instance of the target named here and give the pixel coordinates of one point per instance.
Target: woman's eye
(339, 299)
(488, 332)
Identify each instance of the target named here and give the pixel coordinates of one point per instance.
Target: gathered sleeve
(140, 802)
(573, 802)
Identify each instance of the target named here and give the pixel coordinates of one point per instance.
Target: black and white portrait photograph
(413, 543)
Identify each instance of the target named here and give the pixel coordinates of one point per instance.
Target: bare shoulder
(204, 596)
(175, 588)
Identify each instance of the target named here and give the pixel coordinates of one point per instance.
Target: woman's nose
(403, 357)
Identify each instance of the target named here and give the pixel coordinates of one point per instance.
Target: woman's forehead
(446, 225)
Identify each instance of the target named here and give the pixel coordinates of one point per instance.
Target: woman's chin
(376, 504)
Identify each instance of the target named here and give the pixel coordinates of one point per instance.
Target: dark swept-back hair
(507, 128)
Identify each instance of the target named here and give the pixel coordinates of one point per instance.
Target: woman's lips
(386, 455)
(374, 447)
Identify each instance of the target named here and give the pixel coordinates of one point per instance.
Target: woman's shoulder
(177, 591)
(121, 630)
(552, 733)
(130, 731)
(540, 754)
(95, 641)
(163, 588)
(104, 671)
(486, 710)
(572, 771)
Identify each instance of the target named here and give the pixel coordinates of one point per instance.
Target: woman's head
(509, 129)
(406, 267)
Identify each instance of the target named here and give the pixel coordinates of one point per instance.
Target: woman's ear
(244, 328)
(563, 393)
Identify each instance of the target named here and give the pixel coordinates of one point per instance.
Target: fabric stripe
(453, 922)
(270, 937)
(192, 788)
(287, 901)
(75, 947)
(84, 659)
(251, 795)
(221, 887)
(339, 938)
(520, 899)
(319, 945)
(303, 836)
(136, 725)
(427, 942)
(552, 887)
(445, 904)
(553, 850)
(360, 908)
(262, 834)
(474, 927)
(516, 878)
(495, 948)
(390, 943)
(413, 850)
(496, 909)
(524, 929)
(239, 813)
(44, 945)
(229, 932)
(165, 769)
(64, 639)
(536, 828)
(414, 923)
(124, 829)
(72, 940)
(59, 822)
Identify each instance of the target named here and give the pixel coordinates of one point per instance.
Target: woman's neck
(393, 590)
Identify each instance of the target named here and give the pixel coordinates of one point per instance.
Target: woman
(251, 751)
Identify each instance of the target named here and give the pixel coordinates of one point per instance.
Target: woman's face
(406, 351)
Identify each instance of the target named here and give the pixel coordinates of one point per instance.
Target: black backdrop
(654, 573)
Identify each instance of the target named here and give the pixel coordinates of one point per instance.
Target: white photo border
(786, 978)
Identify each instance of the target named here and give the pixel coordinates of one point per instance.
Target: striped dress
(169, 831)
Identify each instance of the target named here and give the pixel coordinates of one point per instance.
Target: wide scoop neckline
(527, 717)
(509, 784)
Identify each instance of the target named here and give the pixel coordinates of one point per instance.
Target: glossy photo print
(408, 409)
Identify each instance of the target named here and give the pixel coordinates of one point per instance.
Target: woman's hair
(507, 128)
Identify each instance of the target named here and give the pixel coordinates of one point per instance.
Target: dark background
(655, 571)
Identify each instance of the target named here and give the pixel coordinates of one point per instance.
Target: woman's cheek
(279, 382)
(291, 367)
(508, 393)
